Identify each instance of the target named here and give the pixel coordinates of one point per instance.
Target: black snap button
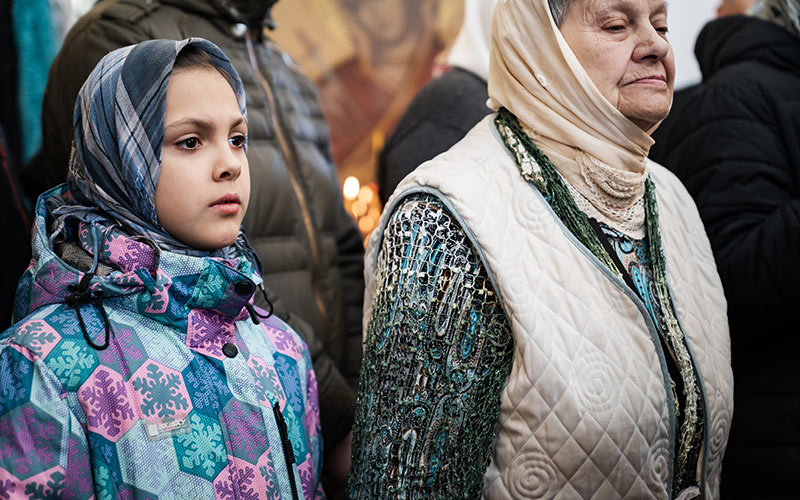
(244, 288)
(230, 350)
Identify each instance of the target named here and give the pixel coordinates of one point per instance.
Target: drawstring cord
(254, 316)
(253, 313)
(81, 294)
(264, 293)
(286, 444)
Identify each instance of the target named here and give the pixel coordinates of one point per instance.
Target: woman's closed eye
(615, 26)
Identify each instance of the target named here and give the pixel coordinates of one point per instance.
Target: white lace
(629, 221)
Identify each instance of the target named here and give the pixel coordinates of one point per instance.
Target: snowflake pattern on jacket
(164, 411)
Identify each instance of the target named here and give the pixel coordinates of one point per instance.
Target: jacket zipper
(292, 169)
(286, 443)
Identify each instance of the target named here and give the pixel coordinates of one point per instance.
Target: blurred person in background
(733, 7)
(543, 315)
(447, 107)
(16, 232)
(15, 225)
(29, 43)
(311, 251)
(674, 121)
(736, 147)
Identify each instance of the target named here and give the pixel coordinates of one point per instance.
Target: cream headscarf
(534, 74)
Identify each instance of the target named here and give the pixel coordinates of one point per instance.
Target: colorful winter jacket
(150, 380)
(311, 251)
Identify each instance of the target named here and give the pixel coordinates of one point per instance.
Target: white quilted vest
(585, 412)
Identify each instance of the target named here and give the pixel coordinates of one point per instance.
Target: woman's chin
(645, 125)
(647, 117)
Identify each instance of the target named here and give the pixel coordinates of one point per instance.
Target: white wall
(686, 19)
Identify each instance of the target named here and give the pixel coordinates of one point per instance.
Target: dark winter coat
(438, 117)
(311, 251)
(736, 146)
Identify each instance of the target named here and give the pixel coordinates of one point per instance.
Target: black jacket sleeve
(350, 251)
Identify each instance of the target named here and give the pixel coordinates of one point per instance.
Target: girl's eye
(190, 143)
(237, 141)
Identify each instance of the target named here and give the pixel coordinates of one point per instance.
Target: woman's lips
(228, 204)
(656, 80)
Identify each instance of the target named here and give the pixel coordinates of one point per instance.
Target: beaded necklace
(537, 169)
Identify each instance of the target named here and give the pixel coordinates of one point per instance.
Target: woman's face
(204, 186)
(622, 45)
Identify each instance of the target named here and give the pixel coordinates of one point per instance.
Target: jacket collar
(255, 14)
(162, 285)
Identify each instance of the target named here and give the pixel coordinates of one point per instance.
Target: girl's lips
(227, 208)
(228, 198)
(228, 204)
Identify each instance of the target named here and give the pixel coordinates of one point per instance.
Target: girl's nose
(229, 164)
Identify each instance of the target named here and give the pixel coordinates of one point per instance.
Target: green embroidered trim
(537, 169)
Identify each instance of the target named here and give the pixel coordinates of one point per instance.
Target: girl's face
(204, 186)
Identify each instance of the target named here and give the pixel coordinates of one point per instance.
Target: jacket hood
(734, 39)
(256, 14)
(163, 285)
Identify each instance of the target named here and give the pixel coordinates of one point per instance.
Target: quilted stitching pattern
(702, 311)
(584, 413)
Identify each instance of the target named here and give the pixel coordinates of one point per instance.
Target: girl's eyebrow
(204, 125)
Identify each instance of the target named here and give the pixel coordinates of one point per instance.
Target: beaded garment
(438, 352)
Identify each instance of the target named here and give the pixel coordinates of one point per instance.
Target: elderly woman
(544, 317)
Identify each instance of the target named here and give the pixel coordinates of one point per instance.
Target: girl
(139, 367)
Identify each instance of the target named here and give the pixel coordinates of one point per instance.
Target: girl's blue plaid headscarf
(119, 128)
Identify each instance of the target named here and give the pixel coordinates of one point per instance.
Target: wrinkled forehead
(593, 9)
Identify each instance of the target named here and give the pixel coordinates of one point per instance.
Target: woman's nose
(228, 163)
(652, 44)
